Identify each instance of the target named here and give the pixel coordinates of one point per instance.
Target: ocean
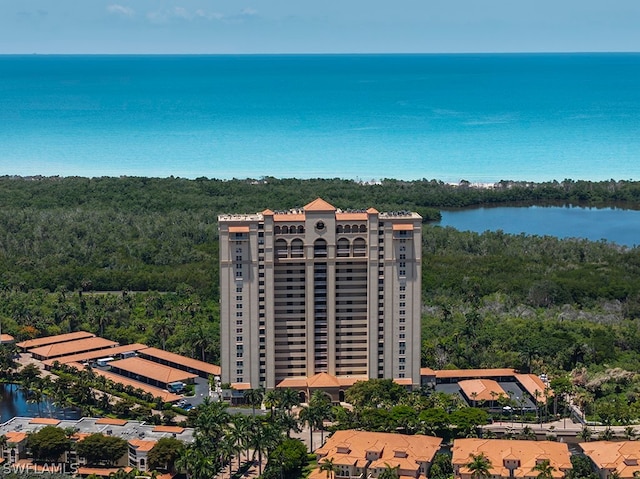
(482, 118)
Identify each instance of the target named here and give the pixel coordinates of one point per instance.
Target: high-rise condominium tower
(320, 290)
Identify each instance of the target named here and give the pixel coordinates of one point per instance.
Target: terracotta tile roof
(238, 229)
(533, 383)
(352, 216)
(78, 358)
(101, 471)
(474, 373)
(621, 457)
(403, 381)
(116, 378)
(267, 212)
(15, 436)
(142, 445)
(481, 389)
(372, 211)
(190, 363)
(241, 386)
(293, 383)
(319, 205)
(351, 380)
(497, 450)
(427, 372)
(60, 338)
(149, 369)
(320, 380)
(323, 380)
(288, 217)
(45, 420)
(71, 347)
(402, 227)
(171, 429)
(6, 338)
(349, 448)
(112, 421)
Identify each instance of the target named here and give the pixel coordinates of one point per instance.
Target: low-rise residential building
(614, 458)
(56, 350)
(176, 361)
(150, 372)
(367, 454)
(140, 436)
(510, 459)
(58, 338)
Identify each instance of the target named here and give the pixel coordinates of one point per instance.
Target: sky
(318, 26)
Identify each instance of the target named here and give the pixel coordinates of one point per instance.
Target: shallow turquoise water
(449, 117)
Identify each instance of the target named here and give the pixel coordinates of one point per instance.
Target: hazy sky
(299, 26)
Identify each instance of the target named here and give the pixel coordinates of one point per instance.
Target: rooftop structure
(6, 338)
(89, 425)
(82, 357)
(177, 361)
(609, 457)
(356, 453)
(117, 378)
(52, 351)
(59, 338)
(510, 458)
(152, 373)
(316, 290)
(458, 374)
(481, 390)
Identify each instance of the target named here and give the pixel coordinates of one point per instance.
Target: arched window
(277, 230)
(285, 230)
(281, 249)
(320, 249)
(300, 229)
(347, 229)
(343, 247)
(340, 229)
(297, 248)
(363, 228)
(359, 247)
(354, 229)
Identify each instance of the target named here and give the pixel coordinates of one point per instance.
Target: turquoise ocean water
(482, 118)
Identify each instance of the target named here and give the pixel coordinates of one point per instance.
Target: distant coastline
(478, 117)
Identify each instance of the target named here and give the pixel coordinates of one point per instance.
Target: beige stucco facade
(320, 290)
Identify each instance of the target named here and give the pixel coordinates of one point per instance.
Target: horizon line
(524, 52)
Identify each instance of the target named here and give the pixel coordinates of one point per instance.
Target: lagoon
(615, 225)
(13, 402)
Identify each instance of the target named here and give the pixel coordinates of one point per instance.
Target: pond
(13, 402)
(615, 225)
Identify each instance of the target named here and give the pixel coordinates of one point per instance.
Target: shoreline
(462, 183)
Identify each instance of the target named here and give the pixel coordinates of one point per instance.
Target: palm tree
(479, 466)
(630, 433)
(390, 472)
(585, 434)
(606, 434)
(321, 407)
(197, 464)
(289, 399)
(238, 431)
(544, 469)
(328, 466)
(272, 399)
(254, 397)
(263, 436)
(308, 416)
